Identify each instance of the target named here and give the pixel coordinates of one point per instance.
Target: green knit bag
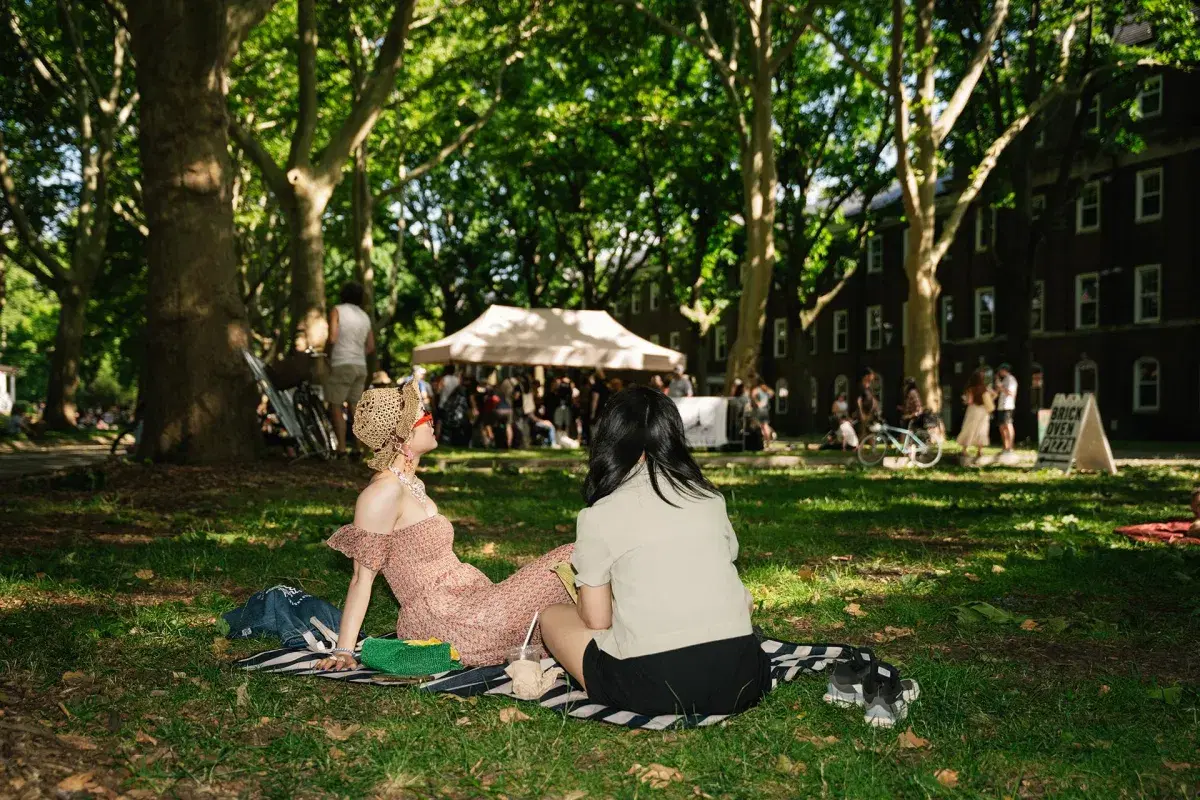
(397, 657)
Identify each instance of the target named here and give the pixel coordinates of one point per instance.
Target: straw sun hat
(384, 421)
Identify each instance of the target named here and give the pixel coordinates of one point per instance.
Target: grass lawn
(111, 680)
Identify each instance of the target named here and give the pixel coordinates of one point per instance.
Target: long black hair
(641, 421)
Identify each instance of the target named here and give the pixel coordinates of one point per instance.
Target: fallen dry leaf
(854, 610)
(971, 576)
(1029, 625)
(891, 634)
(489, 549)
(513, 714)
(219, 646)
(462, 721)
(787, 766)
(78, 742)
(910, 741)
(836, 626)
(562, 528)
(947, 778)
(818, 742)
(1177, 766)
(335, 753)
(75, 677)
(145, 738)
(144, 574)
(658, 776)
(806, 574)
(339, 733)
(841, 558)
(1104, 689)
(243, 694)
(997, 569)
(79, 782)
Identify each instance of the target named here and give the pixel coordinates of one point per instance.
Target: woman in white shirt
(663, 621)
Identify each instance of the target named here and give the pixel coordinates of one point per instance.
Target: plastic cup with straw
(526, 652)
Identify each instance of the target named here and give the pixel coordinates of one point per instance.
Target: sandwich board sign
(1075, 436)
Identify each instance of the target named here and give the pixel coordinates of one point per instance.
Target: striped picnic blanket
(789, 660)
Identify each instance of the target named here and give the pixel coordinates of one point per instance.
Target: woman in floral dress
(397, 531)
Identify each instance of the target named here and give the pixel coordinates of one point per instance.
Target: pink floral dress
(442, 597)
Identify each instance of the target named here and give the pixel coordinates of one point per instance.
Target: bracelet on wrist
(337, 650)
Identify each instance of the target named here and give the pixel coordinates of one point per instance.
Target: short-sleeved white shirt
(1008, 402)
(671, 570)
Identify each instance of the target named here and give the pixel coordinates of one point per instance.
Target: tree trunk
(923, 355)
(200, 396)
(61, 411)
(308, 263)
(758, 181)
(362, 211)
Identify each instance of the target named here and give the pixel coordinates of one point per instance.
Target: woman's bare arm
(595, 606)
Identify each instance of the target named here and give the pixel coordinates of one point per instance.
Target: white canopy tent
(552, 337)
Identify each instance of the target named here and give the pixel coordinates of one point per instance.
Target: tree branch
(958, 101)
(240, 18)
(29, 265)
(306, 76)
(275, 178)
(376, 90)
(709, 51)
(869, 75)
(904, 173)
(788, 48)
(64, 11)
(46, 68)
(29, 237)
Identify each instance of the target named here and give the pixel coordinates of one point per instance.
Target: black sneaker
(845, 687)
(886, 697)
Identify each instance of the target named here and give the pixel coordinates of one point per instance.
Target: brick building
(1118, 280)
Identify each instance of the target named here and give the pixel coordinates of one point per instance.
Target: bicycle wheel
(315, 426)
(927, 450)
(872, 449)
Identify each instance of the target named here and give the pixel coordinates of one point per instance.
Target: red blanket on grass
(1172, 532)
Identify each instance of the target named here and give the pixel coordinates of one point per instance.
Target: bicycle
(304, 417)
(922, 446)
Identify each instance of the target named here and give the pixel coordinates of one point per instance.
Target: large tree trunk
(199, 396)
(308, 264)
(61, 411)
(923, 355)
(758, 180)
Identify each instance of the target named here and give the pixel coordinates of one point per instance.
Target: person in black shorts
(663, 621)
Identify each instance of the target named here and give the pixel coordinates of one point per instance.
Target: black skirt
(722, 677)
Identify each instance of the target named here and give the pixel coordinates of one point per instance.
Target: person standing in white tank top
(351, 339)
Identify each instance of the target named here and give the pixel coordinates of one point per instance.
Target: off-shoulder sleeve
(369, 549)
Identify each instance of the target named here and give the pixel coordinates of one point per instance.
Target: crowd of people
(987, 398)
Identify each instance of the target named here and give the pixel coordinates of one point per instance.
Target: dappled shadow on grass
(1003, 705)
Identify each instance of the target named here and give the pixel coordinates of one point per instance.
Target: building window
(1145, 385)
(719, 343)
(1037, 389)
(635, 301)
(812, 338)
(1087, 300)
(813, 392)
(1087, 378)
(1150, 97)
(654, 290)
(1037, 206)
(874, 327)
(1147, 293)
(1037, 307)
(781, 337)
(904, 324)
(875, 253)
(947, 316)
(841, 331)
(985, 229)
(985, 312)
(1087, 208)
(841, 387)
(1149, 204)
(673, 341)
(781, 396)
(1093, 113)
(655, 339)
